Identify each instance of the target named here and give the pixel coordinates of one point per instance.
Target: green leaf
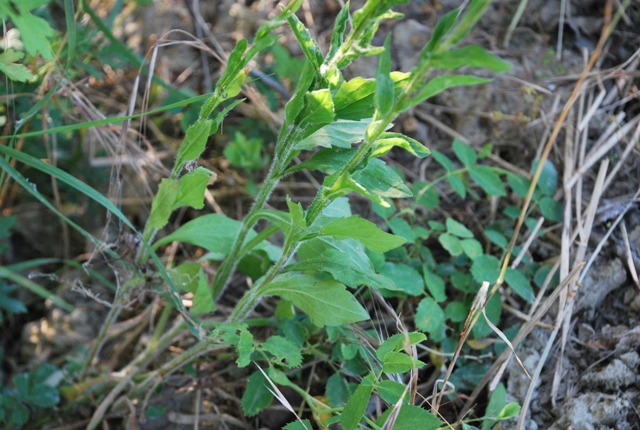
(391, 391)
(485, 268)
(202, 300)
(398, 342)
(430, 318)
(341, 133)
(435, 284)
(9, 66)
(400, 227)
(456, 311)
(496, 403)
(384, 85)
(327, 302)
(298, 425)
(309, 46)
(399, 362)
(458, 229)
(191, 188)
(163, 203)
(465, 153)
(551, 209)
(518, 184)
(356, 406)
(34, 32)
(285, 353)
(548, 182)
(406, 279)
(354, 98)
(337, 36)
(488, 180)
(381, 180)
(346, 261)
(520, 284)
(215, 233)
(426, 195)
(469, 56)
(245, 153)
(472, 248)
(493, 311)
(510, 410)
(244, 348)
(337, 390)
(442, 160)
(317, 112)
(443, 26)
(257, 396)
(193, 143)
(451, 243)
(363, 231)
(457, 184)
(442, 83)
(412, 417)
(388, 140)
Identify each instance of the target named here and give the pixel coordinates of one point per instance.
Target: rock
(593, 411)
(614, 376)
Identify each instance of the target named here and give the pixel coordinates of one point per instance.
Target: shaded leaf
(488, 180)
(413, 417)
(405, 278)
(465, 153)
(435, 284)
(430, 318)
(451, 243)
(256, 396)
(520, 284)
(285, 353)
(356, 406)
(458, 229)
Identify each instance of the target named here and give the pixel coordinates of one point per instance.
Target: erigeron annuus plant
(346, 123)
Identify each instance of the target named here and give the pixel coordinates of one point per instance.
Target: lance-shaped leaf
(469, 56)
(356, 406)
(339, 134)
(163, 203)
(363, 231)
(308, 44)
(317, 112)
(346, 261)
(354, 98)
(388, 140)
(384, 85)
(325, 301)
(193, 143)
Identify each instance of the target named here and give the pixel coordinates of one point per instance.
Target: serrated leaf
(458, 229)
(390, 391)
(244, 348)
(412, 417)
(194, 143)
(9, 66)
(191, 188)
(298, 425)
(326, 302)
(405, 278)
(465, 153)
(356, 406)
(345, 261)
(469, 56)
(163, 203)
(430, 318)
(488, 180)
(388, 140)
(451, 243)
(34, 32)
(519, 283)
(341, 133)
(472, 248)
(363, 231)
(485, 268)
(435, 284)
(256, 396)
(285, 353)
(399, 362)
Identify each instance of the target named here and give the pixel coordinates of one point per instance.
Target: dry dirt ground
(591, 379)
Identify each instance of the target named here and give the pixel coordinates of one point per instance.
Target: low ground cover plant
(326, 266)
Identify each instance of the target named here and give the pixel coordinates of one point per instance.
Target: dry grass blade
(279, 396)
(627, 250)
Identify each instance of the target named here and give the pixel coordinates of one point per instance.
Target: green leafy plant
(341, 128)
